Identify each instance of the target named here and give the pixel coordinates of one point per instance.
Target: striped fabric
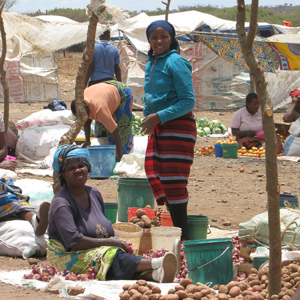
(169, 157)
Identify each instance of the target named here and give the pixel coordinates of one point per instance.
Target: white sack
(38, 190)
(131, 165)
(8, 173)
(47, 117)
(291, 146)
(295, 128)
(17, 238)
(140, 144)
(36, 142)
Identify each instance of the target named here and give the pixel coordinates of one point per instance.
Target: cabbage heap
(206, 127)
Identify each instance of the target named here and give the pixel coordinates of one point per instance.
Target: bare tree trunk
(272, 185)
(81, 115)
(167, 8)
(2, 72)
(252, 83)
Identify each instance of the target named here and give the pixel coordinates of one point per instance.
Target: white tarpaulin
(217, 83)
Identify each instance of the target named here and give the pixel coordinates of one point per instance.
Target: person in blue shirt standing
(169, 121)
(106, 61)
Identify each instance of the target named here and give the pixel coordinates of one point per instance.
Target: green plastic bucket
(230, 150)
(133, 192)
(209, 261)
(258, 261)
(111, 210)
(198, 227)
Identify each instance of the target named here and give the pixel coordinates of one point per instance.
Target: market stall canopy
(185, 24)
(25, 34)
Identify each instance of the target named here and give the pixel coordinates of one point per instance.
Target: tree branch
(2, 71)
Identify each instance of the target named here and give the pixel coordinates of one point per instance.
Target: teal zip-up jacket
(168, 86)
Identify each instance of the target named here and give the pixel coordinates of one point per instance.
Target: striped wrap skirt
(169, 156)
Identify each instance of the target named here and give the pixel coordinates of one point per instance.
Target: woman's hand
(251, 133)
(149, 123)
(119, 243)
(85, 144)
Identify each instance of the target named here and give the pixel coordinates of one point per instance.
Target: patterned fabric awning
(272, 56)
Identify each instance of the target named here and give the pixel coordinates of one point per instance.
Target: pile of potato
(141, 290)
(143, 220)
(254, 287)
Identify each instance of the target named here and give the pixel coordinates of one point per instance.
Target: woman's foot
(167, 272)
(41, 224)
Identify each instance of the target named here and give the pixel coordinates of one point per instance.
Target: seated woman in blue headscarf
(81, 236)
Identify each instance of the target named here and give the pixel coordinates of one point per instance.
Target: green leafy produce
(200, 132)
(214, 123)
(216, 130)
(136, 121)
(206, 127)
(224, 128)
(207, 131)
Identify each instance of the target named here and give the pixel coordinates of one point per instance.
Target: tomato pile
(206, 151)
(253, 152)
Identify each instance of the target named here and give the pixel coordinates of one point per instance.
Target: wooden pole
(81, 115)
(167, 8)
(272, 186)
(2, 71)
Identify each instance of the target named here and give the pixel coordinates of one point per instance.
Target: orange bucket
(165, 219)
(149, 212)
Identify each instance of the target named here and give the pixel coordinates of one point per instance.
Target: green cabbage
(200, 132)
(203, 122)
(216, 130)
(224, 128)
(214, 123)
(206, 130)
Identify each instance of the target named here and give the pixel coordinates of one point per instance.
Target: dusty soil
(216, 187)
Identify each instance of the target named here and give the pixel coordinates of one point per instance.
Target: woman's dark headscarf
(167, 26)
(66, 154)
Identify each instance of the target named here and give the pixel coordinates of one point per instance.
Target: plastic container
(149, 212)
(198, 227)
(103, 160)
(164, 237)
(129, 232)
(133, 192)
(145, 243)
(209, 261)
(230, 150)
(258, 261)
(288, 201)
(111, 210)
(165, 219)
(218, 150)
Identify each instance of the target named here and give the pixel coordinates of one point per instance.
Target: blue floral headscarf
(167, 26)
(66, 154)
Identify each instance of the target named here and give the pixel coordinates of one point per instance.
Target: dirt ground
(216, 187)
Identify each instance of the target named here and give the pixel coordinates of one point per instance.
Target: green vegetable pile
(136, 121)
(206, 127)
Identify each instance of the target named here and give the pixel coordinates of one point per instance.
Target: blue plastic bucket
(218, 150)
(209, 261)
(103, 160)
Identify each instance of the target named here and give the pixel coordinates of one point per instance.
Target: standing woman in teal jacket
(169, 121)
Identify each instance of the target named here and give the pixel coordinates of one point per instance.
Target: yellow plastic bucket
(129, 232)
(164, 237)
